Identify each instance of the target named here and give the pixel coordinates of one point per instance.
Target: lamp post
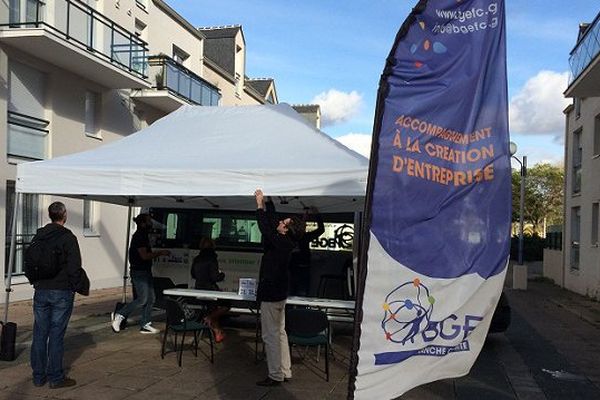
(523, 163)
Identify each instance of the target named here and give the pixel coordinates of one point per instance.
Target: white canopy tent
(202, 157)
(211, 156)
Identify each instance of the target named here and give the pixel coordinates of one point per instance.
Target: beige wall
(102, 254)
(553, 267)
(585, 280)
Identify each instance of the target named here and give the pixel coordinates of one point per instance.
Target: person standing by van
(140, 262)
(279, 238)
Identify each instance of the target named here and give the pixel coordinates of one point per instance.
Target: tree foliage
(544, 185)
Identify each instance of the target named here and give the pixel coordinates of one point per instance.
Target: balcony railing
(84, 27)
(180, 81)
(586, 50)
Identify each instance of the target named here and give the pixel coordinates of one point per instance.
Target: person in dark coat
(279, 238)
(205, 270)
(300, 263)
(53, 301)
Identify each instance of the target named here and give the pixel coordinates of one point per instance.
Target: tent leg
(11, 257)
(129, 212)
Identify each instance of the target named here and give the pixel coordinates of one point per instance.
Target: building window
(179, 55)
(90, 218)
(92, 103)
(27, 225)
(577, 106)
(143, 4)
(238, 85)
(595, 222)
(577, 153)
(140, 29)
(597, 135)
(575, 236)
(27, 133)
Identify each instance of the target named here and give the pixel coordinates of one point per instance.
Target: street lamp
(523, 163)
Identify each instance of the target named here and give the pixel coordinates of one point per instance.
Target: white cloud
(337, 106)
(538, 107)
(359, 142)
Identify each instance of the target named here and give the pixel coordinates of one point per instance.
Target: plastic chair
(161, 283)
(339, 280)
(177, 323)
(307, 327)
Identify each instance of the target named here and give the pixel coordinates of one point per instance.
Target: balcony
(77, 38)
(175, 85)
(585, 64)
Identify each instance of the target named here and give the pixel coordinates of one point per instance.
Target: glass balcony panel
(196, 95)
(79, 26)
(206, 96)
(184, 85)
(586, 51)
(172, 77)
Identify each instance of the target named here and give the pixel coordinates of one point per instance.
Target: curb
(591, 319)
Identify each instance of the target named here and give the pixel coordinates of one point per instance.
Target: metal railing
(21, 244)
(586, 50)
(182, 82)
(84, 27)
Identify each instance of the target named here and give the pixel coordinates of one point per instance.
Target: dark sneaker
(67, 382)
(268, 382)
(40, 383)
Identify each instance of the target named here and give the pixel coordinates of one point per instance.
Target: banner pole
(365, 228)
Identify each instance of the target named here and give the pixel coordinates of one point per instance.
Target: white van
(239, 248)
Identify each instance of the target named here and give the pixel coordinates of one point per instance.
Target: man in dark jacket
(300, 263)
(279, 238)
(53, 301)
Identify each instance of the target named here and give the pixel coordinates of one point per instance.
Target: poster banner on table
(438, 200)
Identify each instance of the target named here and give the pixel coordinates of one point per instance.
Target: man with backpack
(53, 266)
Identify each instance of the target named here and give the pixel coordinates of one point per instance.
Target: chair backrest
(160, 284)
(305, 322)
(175, 313)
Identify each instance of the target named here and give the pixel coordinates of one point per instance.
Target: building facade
(581, 253)
(76, 74)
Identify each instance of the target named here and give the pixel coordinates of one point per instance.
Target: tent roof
(211, 157)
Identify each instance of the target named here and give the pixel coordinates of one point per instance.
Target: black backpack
(43, 258)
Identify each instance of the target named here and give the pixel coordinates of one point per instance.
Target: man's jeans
(52, 310)
(144, 287)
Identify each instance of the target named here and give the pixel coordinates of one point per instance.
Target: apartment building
(76, 74)
(581, 253)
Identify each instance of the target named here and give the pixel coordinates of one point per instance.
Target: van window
(232, 229)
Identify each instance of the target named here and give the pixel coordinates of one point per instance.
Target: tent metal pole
(11, 257)
(129, 212)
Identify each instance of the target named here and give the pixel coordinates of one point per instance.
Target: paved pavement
(550, 351)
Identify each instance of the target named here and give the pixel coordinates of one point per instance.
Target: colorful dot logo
(407, 311)
(425, 46)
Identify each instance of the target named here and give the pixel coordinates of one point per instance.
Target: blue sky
(333, 51)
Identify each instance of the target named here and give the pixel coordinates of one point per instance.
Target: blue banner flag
(437, 235)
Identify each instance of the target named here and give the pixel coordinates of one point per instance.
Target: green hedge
(533, 247)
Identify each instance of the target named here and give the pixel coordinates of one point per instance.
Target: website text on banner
(438, 200)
